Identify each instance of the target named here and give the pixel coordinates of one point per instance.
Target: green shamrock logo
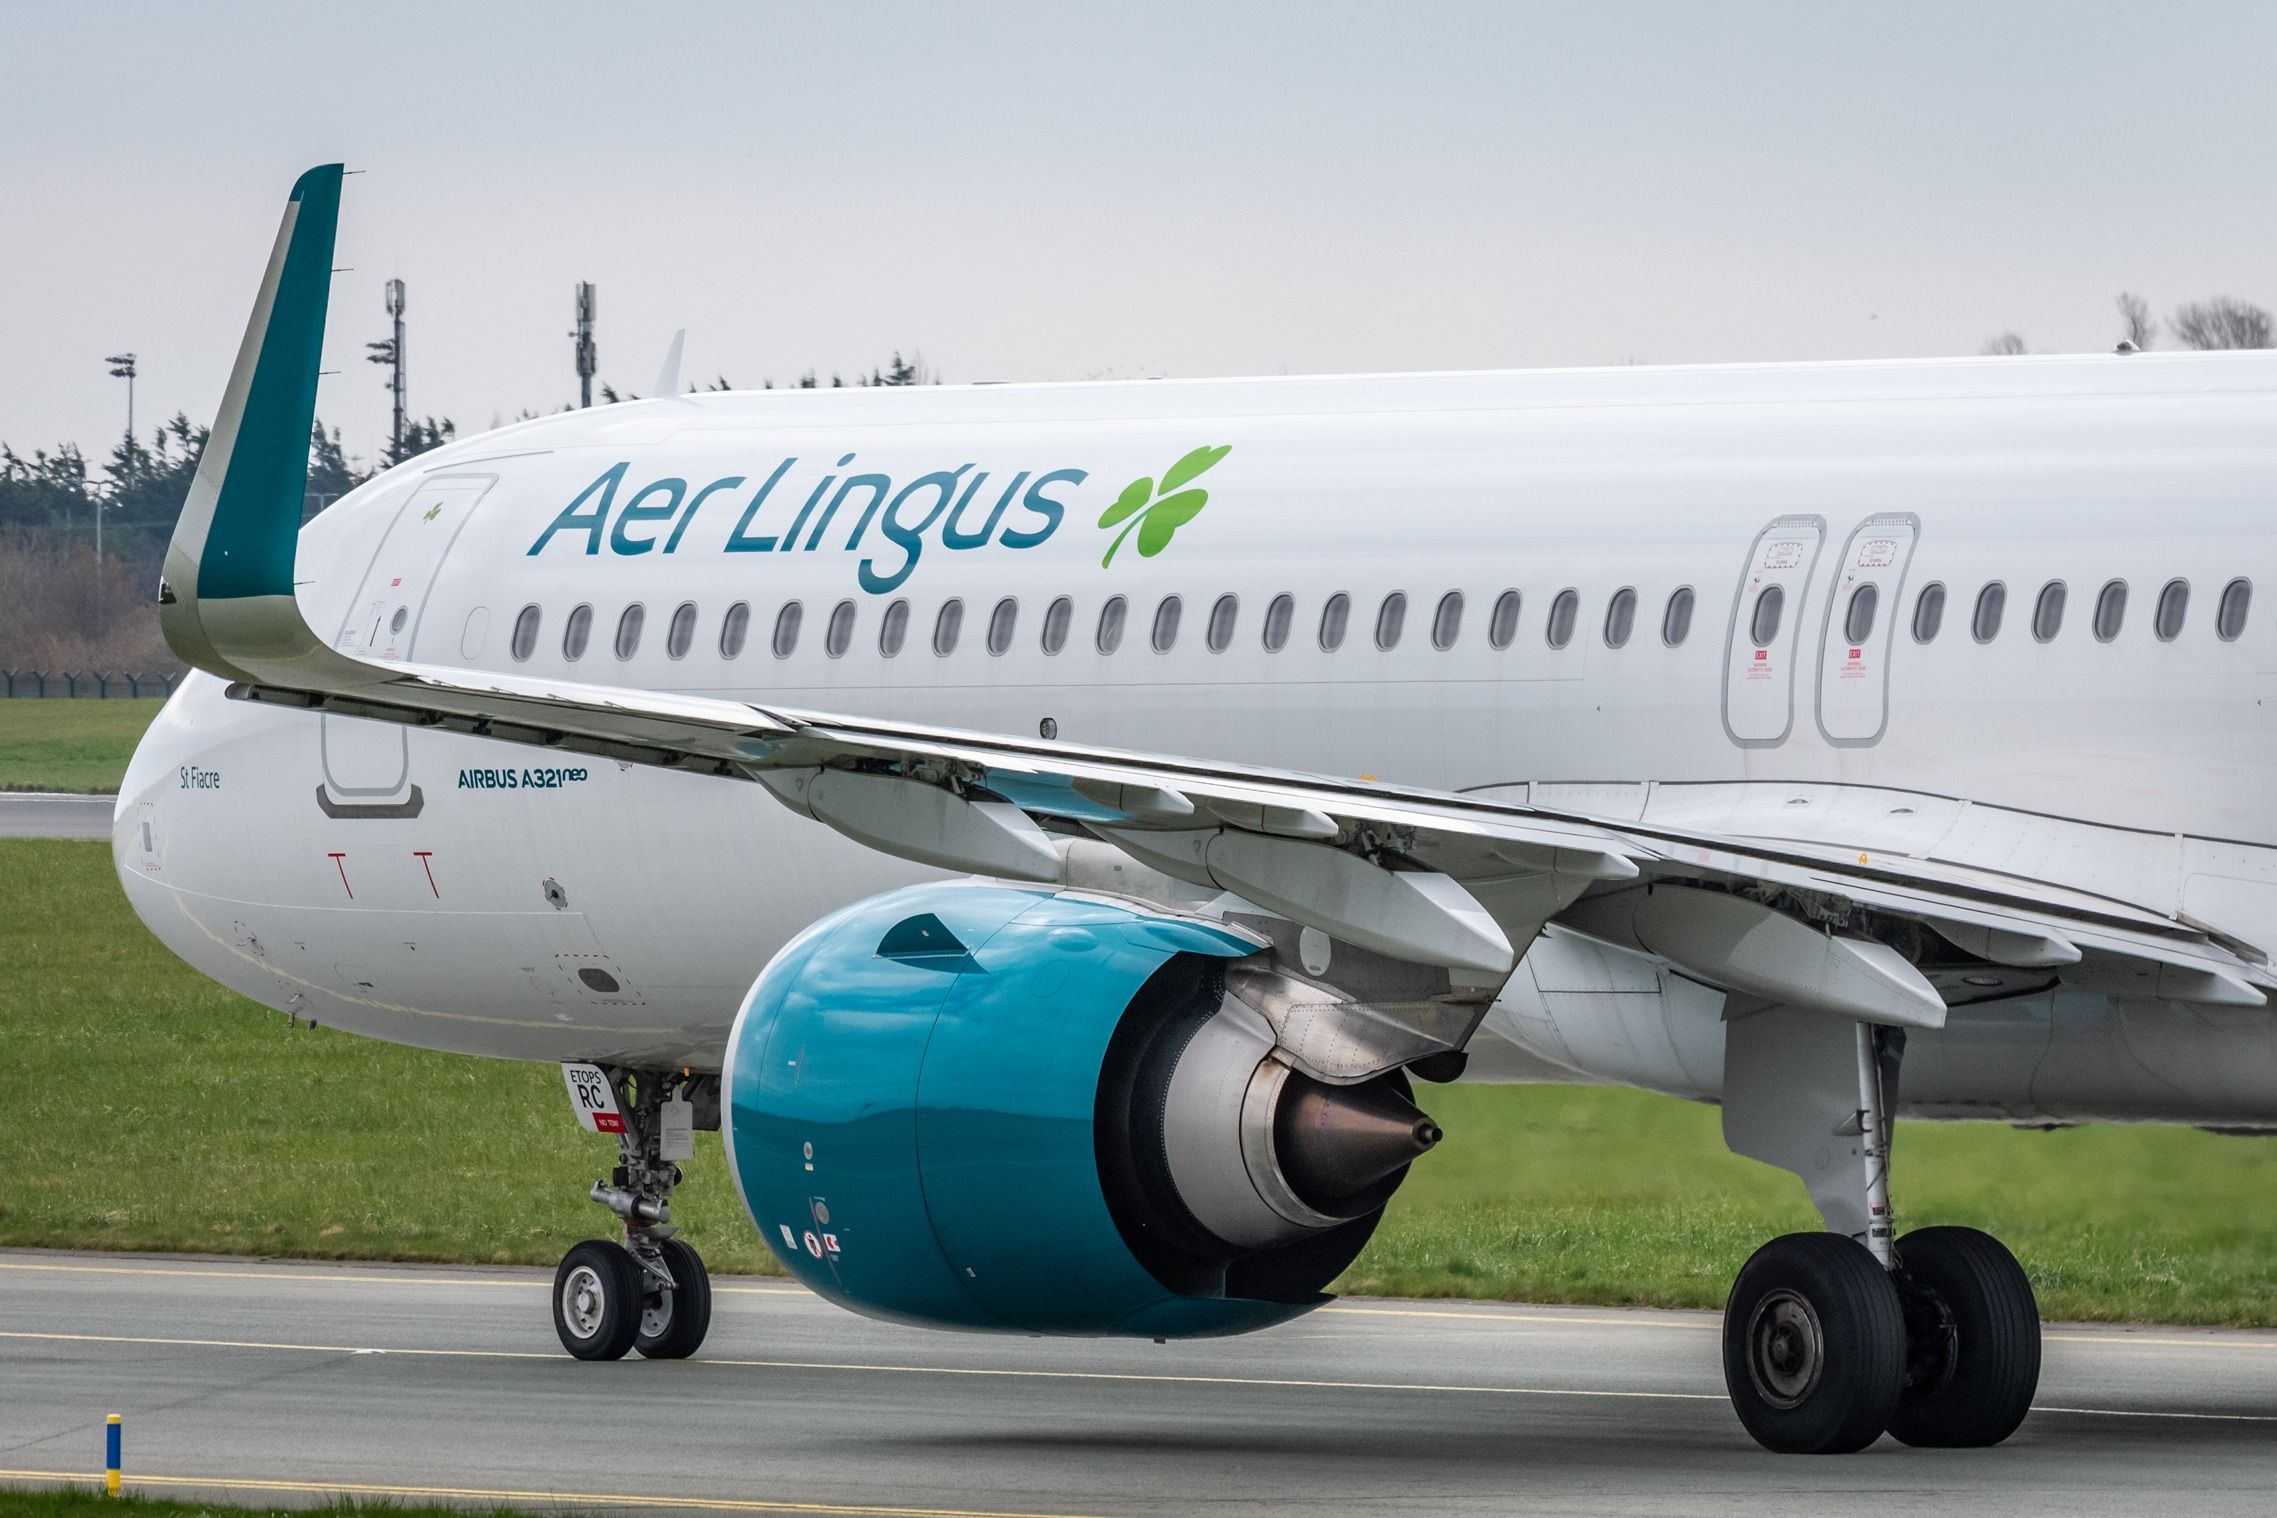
(1158, 513)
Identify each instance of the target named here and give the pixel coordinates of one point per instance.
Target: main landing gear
(1832, 1339)
(650, 1293)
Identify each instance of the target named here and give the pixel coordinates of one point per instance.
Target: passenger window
(1447, 621)
(1928, 612)
(733, 629)
(1858, 621)
(787, 629)
(576, 632)
(1222, 617)
(1391, 617)
(1502, 627)
(1676, 622)
(1166, 624)
(1057, 616)
(2173, 609)
(2048, 612)
(893, 628)
(1564, 612)
(947, 625)
(628, 630)
(1001, 623)
(682, 632)
(1111, 624)
(1763, 627)
(1279, 613)
(839, 635)
(526, 632)
(1991, 602)
(2229, 618)
(1620, 617)
(2110, 611)
(1333, 616)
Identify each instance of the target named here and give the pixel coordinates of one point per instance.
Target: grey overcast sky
(1056, 191)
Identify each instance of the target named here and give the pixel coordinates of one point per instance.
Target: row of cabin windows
(2167, 617)
(1114, 614)
(1858, 621)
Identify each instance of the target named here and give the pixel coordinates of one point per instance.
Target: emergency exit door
(1764, 644)
(1860, 630)
(367, 764)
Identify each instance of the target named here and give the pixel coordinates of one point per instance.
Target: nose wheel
(607, 1301)
(651, 1292)
(675, 1318)
(597, 1300)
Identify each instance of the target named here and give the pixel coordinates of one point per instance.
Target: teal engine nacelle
(981, 1106)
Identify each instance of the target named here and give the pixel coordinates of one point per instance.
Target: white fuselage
(494, 899)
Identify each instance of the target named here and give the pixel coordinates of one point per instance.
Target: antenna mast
(587, 354)
(390, 353)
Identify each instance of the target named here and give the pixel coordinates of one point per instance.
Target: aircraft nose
(165, 761)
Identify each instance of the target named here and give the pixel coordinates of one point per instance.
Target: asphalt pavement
(275, 1381)
(38, 814)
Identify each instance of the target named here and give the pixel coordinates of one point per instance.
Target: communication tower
(587, 355)
(390, 353)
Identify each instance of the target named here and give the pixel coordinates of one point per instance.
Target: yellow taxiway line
(505, 1494)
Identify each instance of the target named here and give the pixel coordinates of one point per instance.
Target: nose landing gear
(651, 1292)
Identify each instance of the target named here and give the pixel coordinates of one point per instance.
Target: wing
(1441, 878)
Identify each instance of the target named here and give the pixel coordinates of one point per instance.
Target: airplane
(1053, 832)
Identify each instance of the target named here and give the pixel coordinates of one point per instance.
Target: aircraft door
(367, 764)
(1861, 630)
(1762, 647)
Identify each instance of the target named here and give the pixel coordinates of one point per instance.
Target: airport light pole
(122, 367)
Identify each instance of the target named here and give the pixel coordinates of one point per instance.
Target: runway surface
(41, 815)
(265, 1380)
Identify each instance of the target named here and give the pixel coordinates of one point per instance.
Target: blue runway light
(111, 1455)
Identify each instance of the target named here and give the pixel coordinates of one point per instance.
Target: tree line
(61, 608)
(2217, 322)
(52, 496)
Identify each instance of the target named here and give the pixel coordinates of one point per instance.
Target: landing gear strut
(650, 1293)
(1831, 1339)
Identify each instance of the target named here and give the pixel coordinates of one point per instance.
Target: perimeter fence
(77, 685)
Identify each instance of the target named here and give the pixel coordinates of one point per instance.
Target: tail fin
(225, 602)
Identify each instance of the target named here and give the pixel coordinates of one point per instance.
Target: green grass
(173, 1114)
(87, 1502)
(157, 1111)
(69, 745)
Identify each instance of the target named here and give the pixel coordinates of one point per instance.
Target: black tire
(596, 1300)
(673, 1323)
(1974, 1381)
(1814, 1345)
